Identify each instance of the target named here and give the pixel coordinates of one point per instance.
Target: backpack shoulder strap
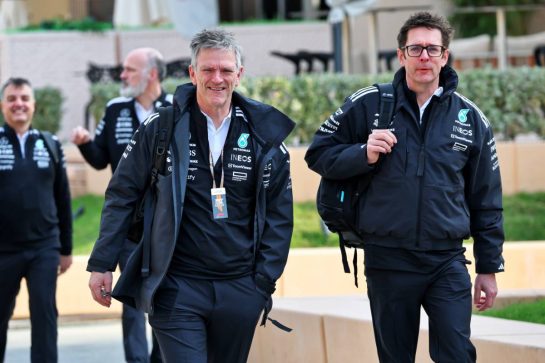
(386, 104)
(164, 134)
(51, 145)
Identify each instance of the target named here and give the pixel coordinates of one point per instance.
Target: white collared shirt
(141, 113)
(22, 141)
(438, 92)
(217, 137)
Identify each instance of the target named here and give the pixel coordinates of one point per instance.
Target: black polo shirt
(211, 248)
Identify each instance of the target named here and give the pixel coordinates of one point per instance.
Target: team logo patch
(459, 147)
(125, 112)
(39, 144)
(243, 140)
(462, 115)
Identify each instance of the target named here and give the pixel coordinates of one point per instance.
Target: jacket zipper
(421, 167)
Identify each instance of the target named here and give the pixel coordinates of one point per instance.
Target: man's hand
(485, 283)
(101, 287)
(64, 264)
(381, 141)
(80, 136)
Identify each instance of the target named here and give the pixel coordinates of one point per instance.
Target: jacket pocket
(445, 214)
(394, 164)
(388, 209)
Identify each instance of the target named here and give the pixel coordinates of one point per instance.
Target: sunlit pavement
(87, 341)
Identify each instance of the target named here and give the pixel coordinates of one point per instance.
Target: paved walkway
(91, 341)
(87, 341)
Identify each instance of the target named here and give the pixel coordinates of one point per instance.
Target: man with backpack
(435, 181)
(35, 219)
(141, 95)
(218, 223)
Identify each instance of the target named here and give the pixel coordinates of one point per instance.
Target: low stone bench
(339, 330)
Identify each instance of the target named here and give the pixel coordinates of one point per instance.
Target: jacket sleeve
(63, 203)
(484, 197)
(95, 152)
(276, 238)
(125, 189)
(338, 149)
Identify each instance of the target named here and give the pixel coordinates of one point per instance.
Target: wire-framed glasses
(416, 50)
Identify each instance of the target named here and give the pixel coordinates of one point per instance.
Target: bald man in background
(141, 95)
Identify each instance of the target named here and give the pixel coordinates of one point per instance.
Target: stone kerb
(339, 329)
(312, 272)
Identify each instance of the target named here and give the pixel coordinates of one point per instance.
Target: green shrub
(477, 23)
(513, 100)
(48, 112)
(60, 24)
(101, 93)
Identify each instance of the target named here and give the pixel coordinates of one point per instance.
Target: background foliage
(513, 100)
(524, 220)
(477, 23)
(60, 24)
(48, 112)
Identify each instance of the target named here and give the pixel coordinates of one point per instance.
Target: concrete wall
(60, 59)
(40, 10)
(309, 272)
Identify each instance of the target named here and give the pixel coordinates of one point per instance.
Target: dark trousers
(39, 268)
(396, 298)
(135, 343)
(200, 321)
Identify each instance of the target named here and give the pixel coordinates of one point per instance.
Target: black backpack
(51, 147)
(140, 229)
(337, 200)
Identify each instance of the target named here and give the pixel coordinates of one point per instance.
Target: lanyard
(212, 169)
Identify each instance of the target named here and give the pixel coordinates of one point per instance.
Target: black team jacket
(439, 185)
(273, 219)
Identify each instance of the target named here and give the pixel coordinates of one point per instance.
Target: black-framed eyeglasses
(416, 50)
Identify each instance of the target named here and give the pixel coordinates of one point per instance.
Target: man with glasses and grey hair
(436, 181)
(223, 218)
(141, 95)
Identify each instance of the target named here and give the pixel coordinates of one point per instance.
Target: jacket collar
(448, 79)
(270, 125)
(8, 130)
(162, 97)
(162, 100)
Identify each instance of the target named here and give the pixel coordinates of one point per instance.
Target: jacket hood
(269, 124)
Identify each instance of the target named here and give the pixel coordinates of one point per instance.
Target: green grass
(529, 311)
(306, 230)
(86, 226)
(524, 216)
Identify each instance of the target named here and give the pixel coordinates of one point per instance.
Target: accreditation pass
(219, 203)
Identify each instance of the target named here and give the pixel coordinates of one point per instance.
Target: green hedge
(48, 112)
(477, 23)
(513, 100)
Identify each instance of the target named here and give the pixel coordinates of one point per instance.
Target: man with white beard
(141, 95)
